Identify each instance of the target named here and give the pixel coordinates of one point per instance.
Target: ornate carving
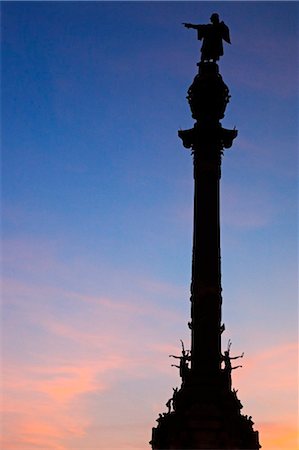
(208, 95)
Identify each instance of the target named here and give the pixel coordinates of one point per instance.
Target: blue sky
(97, 198)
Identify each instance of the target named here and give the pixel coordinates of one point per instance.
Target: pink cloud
(70, 355)
(37, 425)
(47, 404)
(280, 362)
(62, 384)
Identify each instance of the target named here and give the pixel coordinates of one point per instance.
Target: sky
(97, 205)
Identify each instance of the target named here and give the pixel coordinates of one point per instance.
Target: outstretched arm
(190, 25)
(237, 357)
(173, 356)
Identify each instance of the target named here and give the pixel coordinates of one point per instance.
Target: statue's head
(214, 18)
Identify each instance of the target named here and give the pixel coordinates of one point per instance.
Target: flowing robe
(212, 36)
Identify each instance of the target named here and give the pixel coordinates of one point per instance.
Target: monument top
(212, 35)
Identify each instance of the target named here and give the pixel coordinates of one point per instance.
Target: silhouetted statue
(174, 397)
(227, 362)
(160, 418)
(184, 368)
(168, 404)
(250, 420)
(212, 35)
(227, 359)
(237, 401)
(172, 400)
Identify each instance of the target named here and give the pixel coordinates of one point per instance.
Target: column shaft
(206, 272)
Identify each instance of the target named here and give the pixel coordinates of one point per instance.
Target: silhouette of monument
(205, 412)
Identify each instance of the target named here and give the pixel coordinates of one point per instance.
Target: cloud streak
(65, 346)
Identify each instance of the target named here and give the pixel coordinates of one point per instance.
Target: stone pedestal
(207, 415)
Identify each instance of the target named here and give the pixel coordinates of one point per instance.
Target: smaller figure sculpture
(236, 400)
(227, 363)
(227, 359)
(160, 418)
(212, 35)
(184, 368)
(174, 397)
(172, 401)
(168, 404)
(249, 419)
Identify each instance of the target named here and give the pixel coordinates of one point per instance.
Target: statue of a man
(212, 35)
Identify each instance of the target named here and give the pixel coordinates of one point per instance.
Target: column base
(206, 415)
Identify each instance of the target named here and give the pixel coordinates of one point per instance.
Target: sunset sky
(97, 199)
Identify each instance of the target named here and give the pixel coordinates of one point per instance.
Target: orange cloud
(46, 388)
(39, 404)
(278, 436)
(268, 389)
